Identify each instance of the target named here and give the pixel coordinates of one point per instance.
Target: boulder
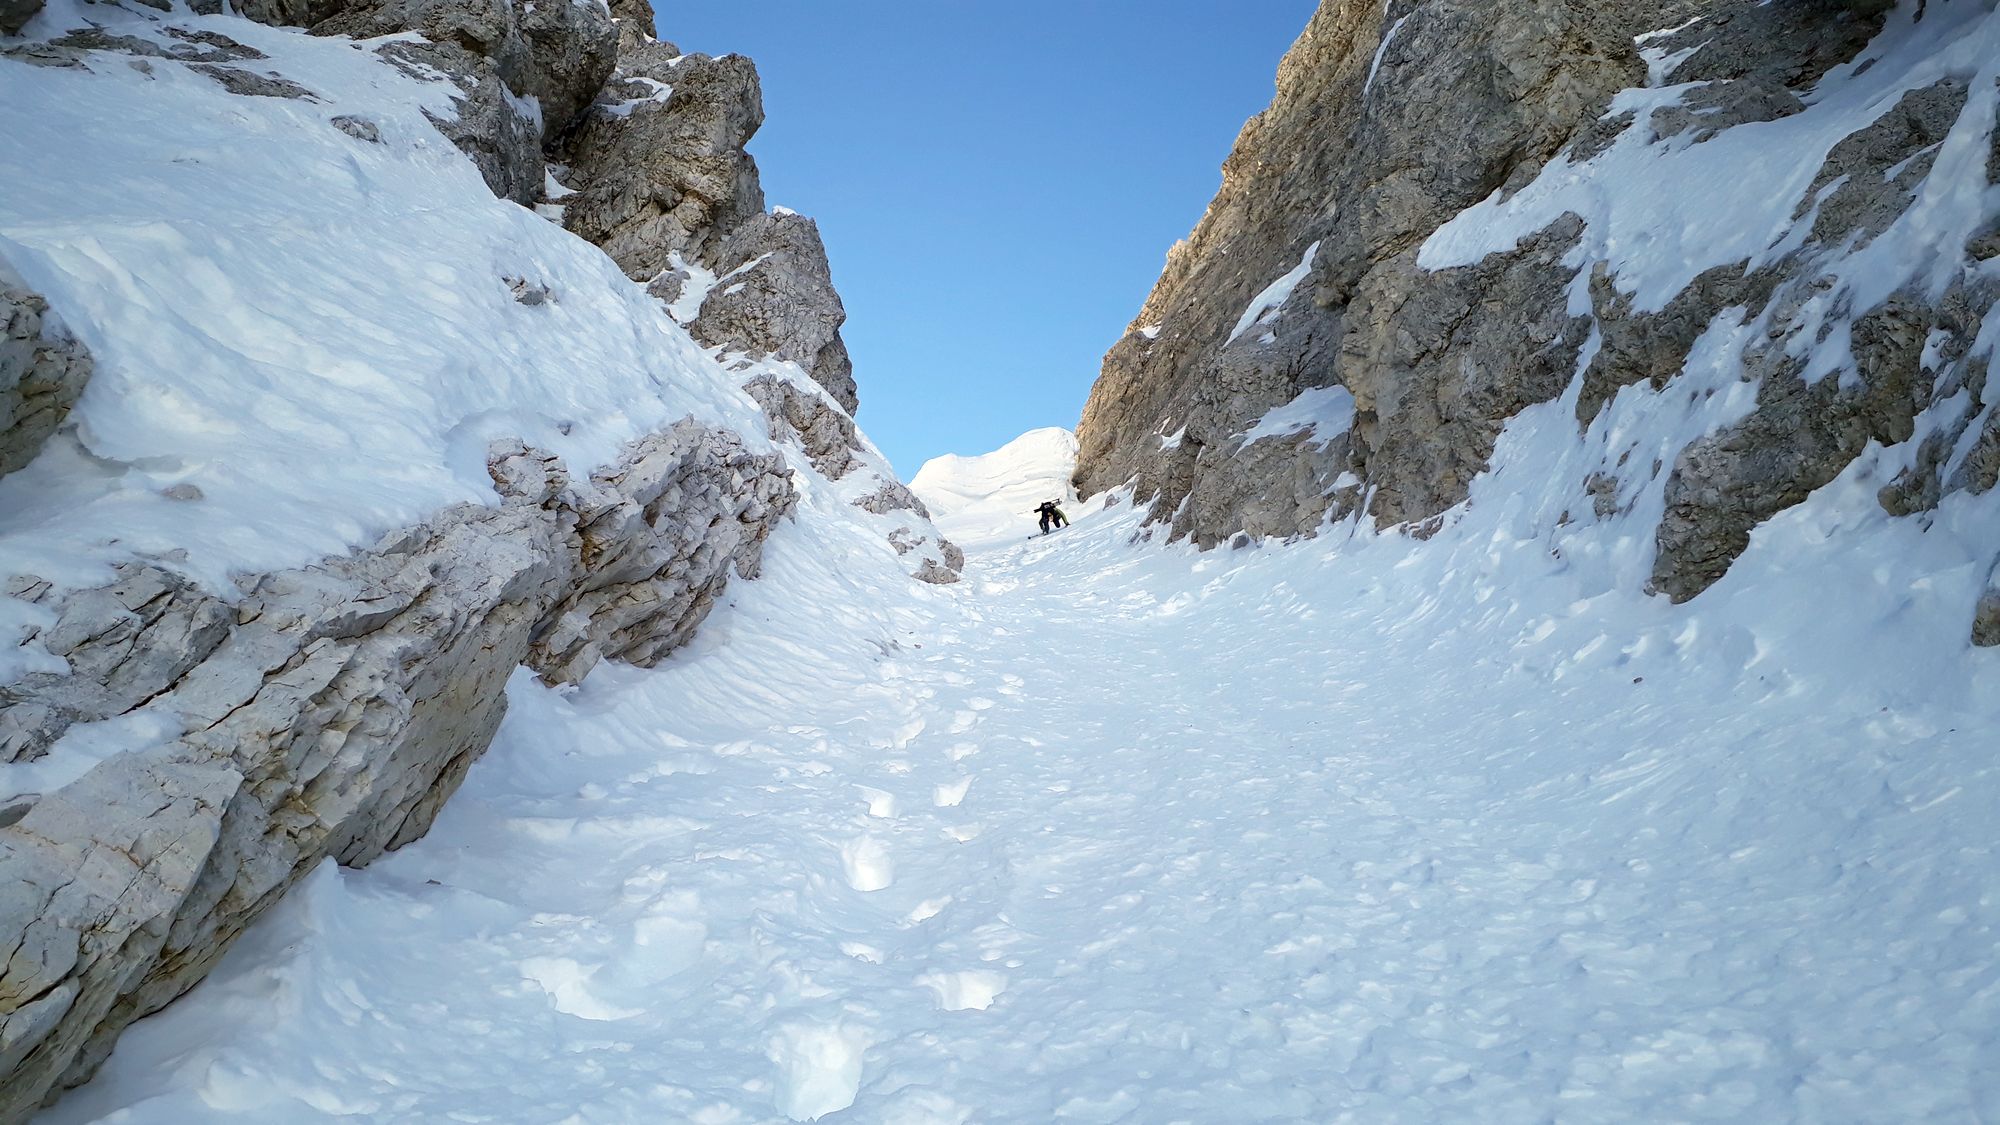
(658, 164)
(778, 300)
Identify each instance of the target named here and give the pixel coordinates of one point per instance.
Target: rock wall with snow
(309, 440)
(657, 174)
(42, 373)
(1748, 246)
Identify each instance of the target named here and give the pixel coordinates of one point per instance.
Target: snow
(700, 283)
(312, 330)
(86, 744)
(1352, 829)
(1264, 306)
(657, 93)
(1375, 65)
(991, 498)
(315, 332)
(1326, 411)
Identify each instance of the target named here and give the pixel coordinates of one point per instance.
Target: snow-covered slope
(1352, 829)
(990, 498)
(357, 440)
(315, 331)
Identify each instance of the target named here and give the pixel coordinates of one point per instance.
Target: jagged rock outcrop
(780, 301)
(327, 713)
(654, 572)
(1986, 616)
(663, 183)
(42, 373)
(658, 165)
(524, 71)
(805, 418)
(828, 437)
(1392, 122)
(491, 126)
(1466, 97)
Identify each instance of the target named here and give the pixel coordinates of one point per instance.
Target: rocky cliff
(246, 633)
(656, 173)
(1744, 247)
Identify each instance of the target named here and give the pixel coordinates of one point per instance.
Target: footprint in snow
(881, 805)
(948, 796)
(819, 1068)
(867, 864)
(970, 991)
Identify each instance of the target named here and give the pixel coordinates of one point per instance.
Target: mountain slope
(313, 435)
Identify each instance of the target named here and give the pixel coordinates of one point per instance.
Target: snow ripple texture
(1353, 829)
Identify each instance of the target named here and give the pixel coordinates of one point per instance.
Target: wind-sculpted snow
(313, 333)
(1467, 830)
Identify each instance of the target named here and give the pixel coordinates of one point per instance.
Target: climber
(1052, 516)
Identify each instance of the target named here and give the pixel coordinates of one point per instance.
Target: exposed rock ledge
(42, 373)
(327, 712)
(812, 422)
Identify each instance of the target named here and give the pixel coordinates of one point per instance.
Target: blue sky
(997, 183)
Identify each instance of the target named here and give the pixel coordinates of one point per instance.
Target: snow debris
(1327, 411)
(1264, 306)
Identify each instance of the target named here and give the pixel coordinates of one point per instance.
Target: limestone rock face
(780, 301)
(524, 70)
(1304, 296)
(828, 437)
(557, 54)
(1360, 158)
(328, 713)
(658, 165)
(491, 126)
(42, 372)
(663, 183)
(655, 572)
(1986, 616)
(806, 418)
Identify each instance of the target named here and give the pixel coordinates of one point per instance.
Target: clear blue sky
(997, 183)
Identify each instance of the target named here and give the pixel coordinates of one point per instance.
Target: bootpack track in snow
(1120, 833)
